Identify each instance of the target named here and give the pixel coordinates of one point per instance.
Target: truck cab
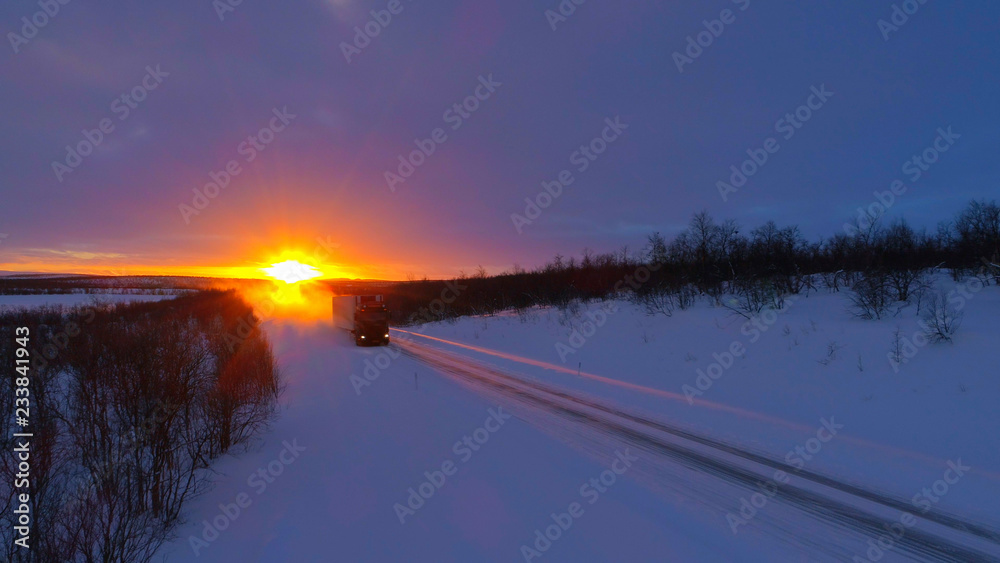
(371, 323)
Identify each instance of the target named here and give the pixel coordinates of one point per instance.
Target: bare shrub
(832, 348)
(871, 296)
(753, 297)
(903, 282)
(802, 282)
(941, 320)
(896, 350)
(686, 297)
(568, 310)
(662, 302)
(992, 267)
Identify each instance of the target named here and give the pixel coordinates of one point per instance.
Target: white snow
(363, 451)
(940, 406)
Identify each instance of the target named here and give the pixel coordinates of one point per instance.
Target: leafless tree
(941, 320)
(871, 296)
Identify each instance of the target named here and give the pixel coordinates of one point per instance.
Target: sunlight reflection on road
(895, 451)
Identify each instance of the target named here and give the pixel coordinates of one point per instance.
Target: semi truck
(365, 316)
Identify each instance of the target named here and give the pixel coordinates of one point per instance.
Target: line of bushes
(718, 258)
(130, 405)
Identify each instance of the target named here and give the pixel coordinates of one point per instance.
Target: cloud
(70, 254)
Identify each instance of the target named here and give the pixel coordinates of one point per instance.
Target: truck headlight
(387, 335)
(362, 337)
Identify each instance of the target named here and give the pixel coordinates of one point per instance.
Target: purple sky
(323, 174)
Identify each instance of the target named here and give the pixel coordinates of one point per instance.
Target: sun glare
(292, 271)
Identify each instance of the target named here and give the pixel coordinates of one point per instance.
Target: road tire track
(937, 536)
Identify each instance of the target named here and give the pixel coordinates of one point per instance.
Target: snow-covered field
(938, 405)
(71, 299)
(810, 385)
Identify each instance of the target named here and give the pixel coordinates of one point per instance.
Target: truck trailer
(365, 316)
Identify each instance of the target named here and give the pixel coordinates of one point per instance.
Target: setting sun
(292, 271)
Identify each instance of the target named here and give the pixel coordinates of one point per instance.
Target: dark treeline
(42, 284)
(714, 257)
(129, 405)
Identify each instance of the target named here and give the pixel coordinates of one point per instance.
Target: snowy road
(335, 479)
(364, 452)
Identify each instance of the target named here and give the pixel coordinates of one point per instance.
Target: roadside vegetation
(130, 405)
(117, 283)
(881, 265)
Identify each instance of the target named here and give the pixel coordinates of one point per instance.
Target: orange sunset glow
(288, 266)
(249, 257)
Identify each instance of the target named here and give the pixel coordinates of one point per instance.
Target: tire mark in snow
(938, 536)
(681, 398)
